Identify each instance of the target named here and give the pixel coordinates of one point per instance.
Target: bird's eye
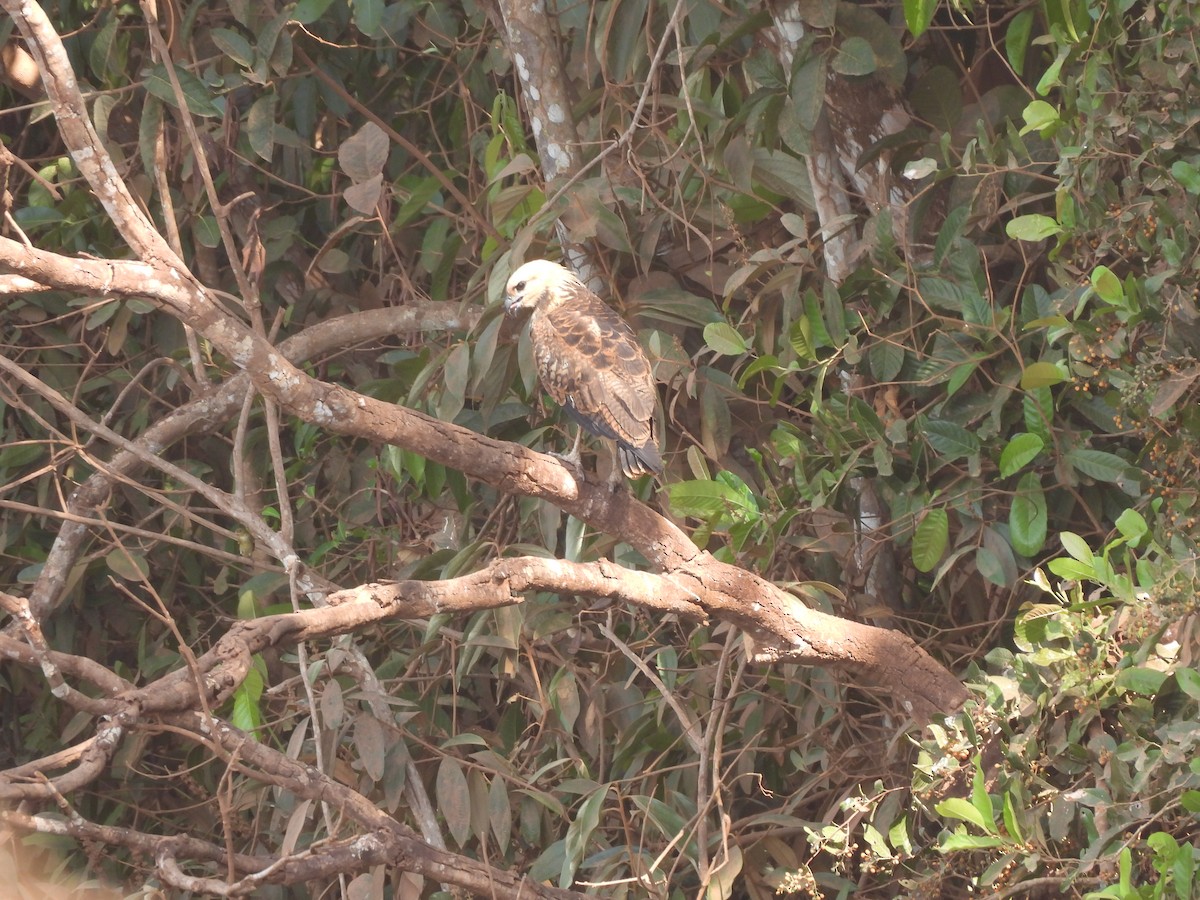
(520, 285)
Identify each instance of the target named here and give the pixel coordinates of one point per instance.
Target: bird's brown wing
(590, 363)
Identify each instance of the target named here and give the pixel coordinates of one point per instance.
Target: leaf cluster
(1012, 360)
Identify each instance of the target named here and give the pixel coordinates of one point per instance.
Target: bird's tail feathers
(636, 461)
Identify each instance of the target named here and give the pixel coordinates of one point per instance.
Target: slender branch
(205, 414)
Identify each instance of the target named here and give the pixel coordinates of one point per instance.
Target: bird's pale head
(533, 283)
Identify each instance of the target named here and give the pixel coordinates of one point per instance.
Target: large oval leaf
(1019, 452)
(453, 799)
(918, 14)
(950, 439)
(929, 541)
(1027, 517)
(1032, 228)
(1098, 464)
(1041, 374)
(723, 338)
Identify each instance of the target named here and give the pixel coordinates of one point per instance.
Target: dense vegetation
(979, 427)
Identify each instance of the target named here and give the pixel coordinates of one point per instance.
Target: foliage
(1088, 726)
(1012, 361)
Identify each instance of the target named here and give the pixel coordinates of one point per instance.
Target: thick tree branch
(534, 51)
(884, 658)
(790, 630)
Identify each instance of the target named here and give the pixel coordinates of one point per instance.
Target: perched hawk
(590, 363)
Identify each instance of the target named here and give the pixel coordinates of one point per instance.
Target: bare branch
(209, 411)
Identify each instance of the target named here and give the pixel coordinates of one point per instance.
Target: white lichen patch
(560, 156)
(322, 414)
(241, 351)
(556, 114)
(280, 373)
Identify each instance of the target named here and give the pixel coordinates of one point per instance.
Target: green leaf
(455, 376)
(454, 799)
(368, 16)
(941, 293)
(800, 337)
(807, 91)
(855, 56)
(1050, 77)
(564, 698)
(207, 232)
(723, 879)
(308, 11)
(1189, 682)
(1038, 407)
(1140, 680)
(579, 833)
(980, 799)
(197, 95)
(1033, 227)
(1041, 374)
(1108, 286)
(950, 439)
(233, 45)
(260, 125)
(961, 808)
(724, 339)
(500, 812)
(1027, 518)
(930, 539)
(990, 566)
(1077, 547)
(246, 713)
(420, 198)
(960, 840)
(104, 55)
(127, 565)
(1011, 823)
(1099, 464)
(1187, 175)
(861, 21)
(918, 14)
(1132, 526)
(886, 358)
(1021, 450)
(1041, 117)
(1070, 570)
(611, 230)
(1016, 39)
(962, 372)
(709, 499)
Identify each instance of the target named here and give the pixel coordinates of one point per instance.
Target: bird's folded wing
(591, 363)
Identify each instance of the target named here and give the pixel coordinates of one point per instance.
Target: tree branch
(774, 618)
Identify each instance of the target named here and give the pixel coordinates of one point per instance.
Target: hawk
(590, 363)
